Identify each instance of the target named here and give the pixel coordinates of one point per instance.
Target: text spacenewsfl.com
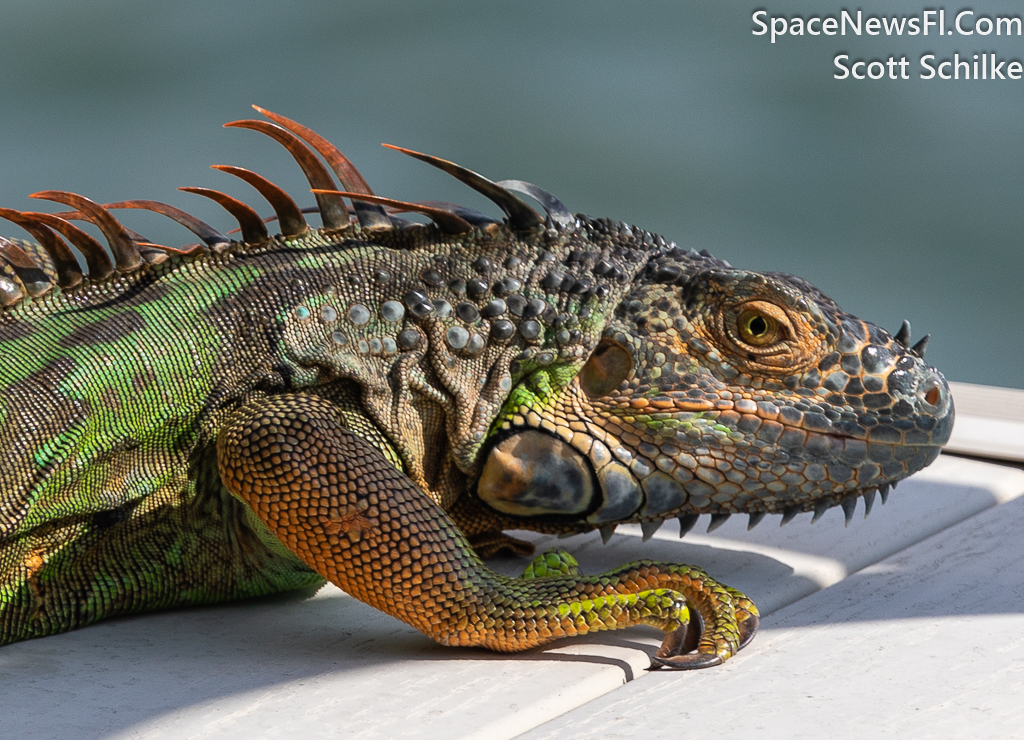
(985, 65)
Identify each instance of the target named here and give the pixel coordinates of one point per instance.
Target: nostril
(930, 394)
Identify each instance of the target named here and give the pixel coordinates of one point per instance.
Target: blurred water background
(900, 199)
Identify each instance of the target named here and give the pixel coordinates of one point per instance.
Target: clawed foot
(687, 647)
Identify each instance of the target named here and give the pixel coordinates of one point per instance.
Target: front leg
(334, 501)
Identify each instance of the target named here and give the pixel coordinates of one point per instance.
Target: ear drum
(605, 370)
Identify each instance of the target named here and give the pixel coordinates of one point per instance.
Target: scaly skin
(371, 402)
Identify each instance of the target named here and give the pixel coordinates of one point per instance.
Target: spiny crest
(38, 269)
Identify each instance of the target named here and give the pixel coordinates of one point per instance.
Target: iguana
(374, 401)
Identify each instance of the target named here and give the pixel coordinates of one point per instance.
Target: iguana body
(370, 401)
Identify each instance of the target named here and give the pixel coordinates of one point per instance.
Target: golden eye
(757, 328)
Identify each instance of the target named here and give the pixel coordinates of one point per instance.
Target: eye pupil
(760, 328)
(757, 327)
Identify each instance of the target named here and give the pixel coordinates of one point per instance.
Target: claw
(687, 662)
(820, 508)
(755, 519)
(883, 491)
(677, 650)
(788, 514)
(716, 633)
(748, 629)
(680, 641)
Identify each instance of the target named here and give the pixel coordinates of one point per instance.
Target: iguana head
(714, 390)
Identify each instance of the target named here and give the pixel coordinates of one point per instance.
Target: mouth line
(606, 508)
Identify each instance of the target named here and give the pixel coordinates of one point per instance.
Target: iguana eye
(757, 328)
(761, 324)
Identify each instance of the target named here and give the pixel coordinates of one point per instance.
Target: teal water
(901, 199)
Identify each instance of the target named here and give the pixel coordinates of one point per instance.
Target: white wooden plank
(997, 439)
(989, 422)
(320, 668)
(331, 666)
(928, 643)
(988, 401)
